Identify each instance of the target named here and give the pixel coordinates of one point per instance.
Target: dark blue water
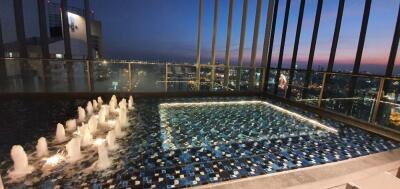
(205, 124)
(23, 121)
(210, 144)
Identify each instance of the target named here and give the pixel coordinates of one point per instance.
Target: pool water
(202, 124)
(190, 145)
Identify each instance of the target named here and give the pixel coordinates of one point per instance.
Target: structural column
(228, 43)
(282, 48)
(21, 45)
(389, 68)
(363, 33)
(67, 44)
(199, 44)
(295, 48)
(165, 77)
(89, 43)
(44, 43)
(20, 28)
(394, 47)
(312, 49)
(65, 26)
(241, 45)
(214, 39)
(254, 46)
(44, 39)
(271, 45)
(1, 42)
(3, 71)
(360, 49)
(88, 20)
(332, 54)
(335, 40)
(88, 78)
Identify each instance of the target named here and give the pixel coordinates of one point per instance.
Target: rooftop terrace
(209, 123)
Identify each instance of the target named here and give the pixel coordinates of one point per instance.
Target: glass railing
(359, 102)
(388, 113)
(370, 98)
(180, 78)
(57, 75)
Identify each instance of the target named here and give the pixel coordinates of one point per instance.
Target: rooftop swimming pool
(202, 124)
(183, 142)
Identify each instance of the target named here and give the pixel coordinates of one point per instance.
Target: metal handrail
(186, 64)
(112, 61)
(342, 73)
(169, 78)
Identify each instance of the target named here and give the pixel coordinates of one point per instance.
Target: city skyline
(159, 30)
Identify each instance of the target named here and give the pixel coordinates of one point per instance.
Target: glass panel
(297, 85)
(149, 77)
(3, 76)
(258, 80)
(219, 79)
(245, 79)
(22, 76)
(361, 104)
(337, 91)
(111, 77)
(271, 80)
(43, 76)
(205, 78)
(79, 76)
(32, 76)
(389, 109)
(232, 78)
(14, 76)
(364, 97)
(181, 78)
(314, 88)
(283, 83)
(58, 79)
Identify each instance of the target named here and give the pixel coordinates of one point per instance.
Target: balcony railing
(59, 75)
(374, 99)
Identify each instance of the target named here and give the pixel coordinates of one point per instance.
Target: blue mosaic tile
(145, 160)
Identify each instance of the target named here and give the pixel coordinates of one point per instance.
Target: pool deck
(333, 175)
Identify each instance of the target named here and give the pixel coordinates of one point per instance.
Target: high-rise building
(77, 30)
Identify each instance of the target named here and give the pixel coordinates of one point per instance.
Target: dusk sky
(167, 29)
